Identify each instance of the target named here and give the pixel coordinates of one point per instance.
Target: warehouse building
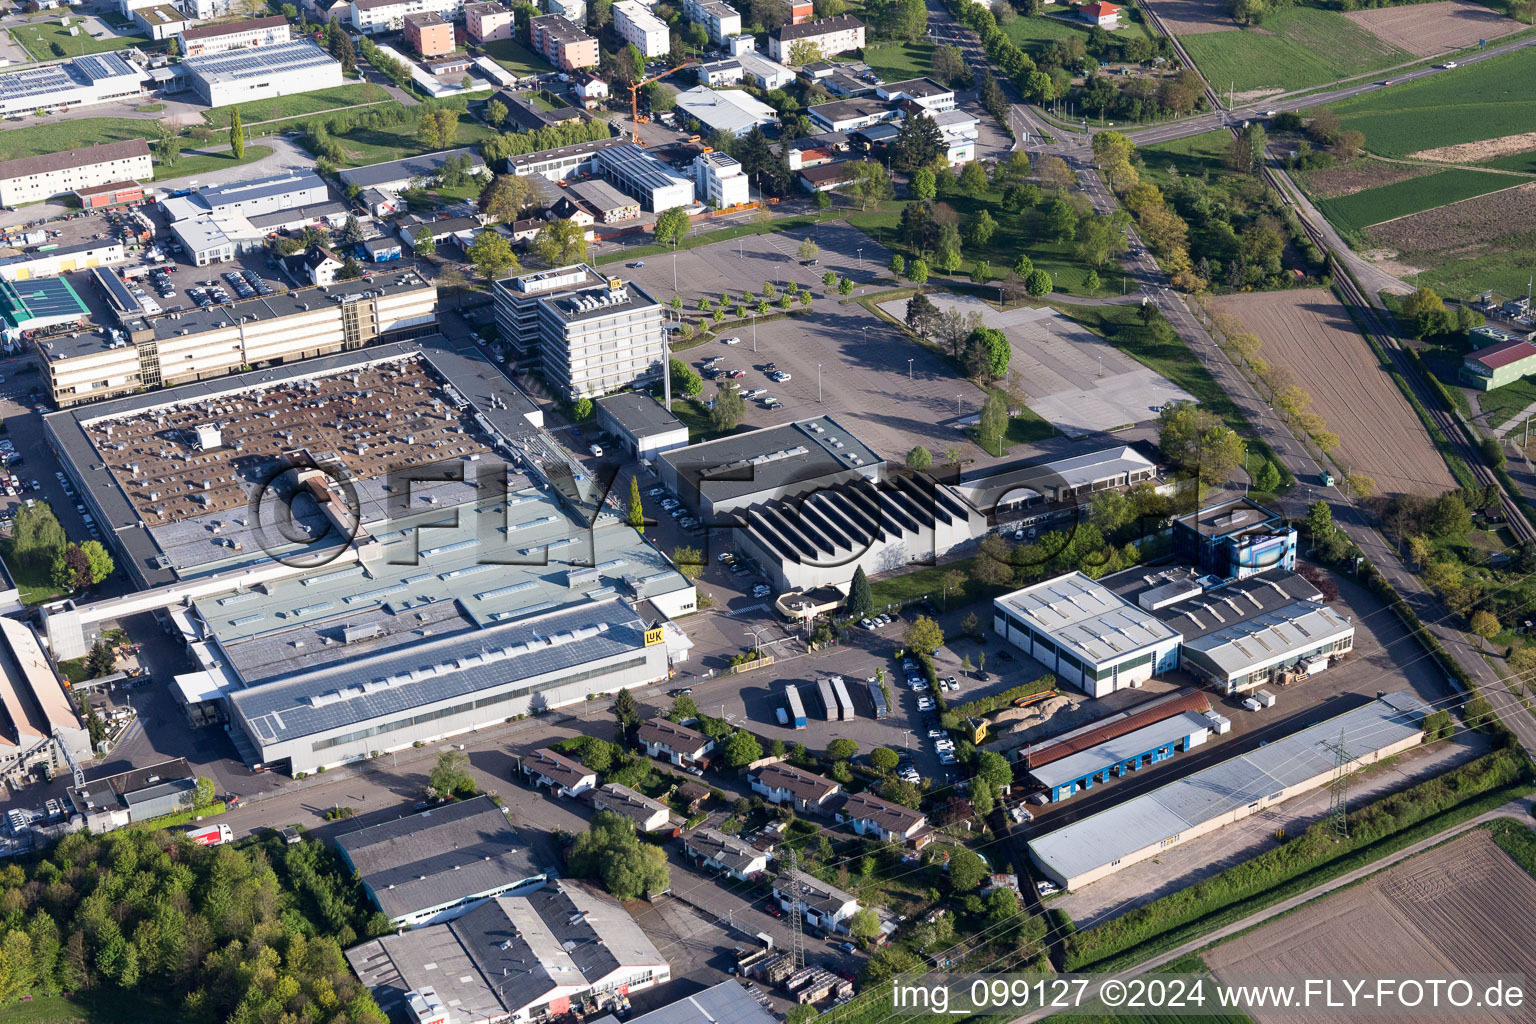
(136, 795)
(719, 19)
(643, 426)
(1085, 633)
(1285, 645)
(31, 178)
(830, 37)
(513, 959)
(66, 259)
(591, 333)
(562, 43)
(1234, 539)
(729, 1002)
(636, 24)
(113, 193)
(733, 111)
(241, 76)
(237, 35)
(1145, 826)
(640, 174)
(440, 863)
(1102, 730)
(396, 175)
(607, 203)
(1114, 758)
(30, 305)
(81, 82)
(214, 341)
(252, 198)
(1498, 365)
(773, 463)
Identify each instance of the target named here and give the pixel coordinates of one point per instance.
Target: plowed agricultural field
(1427, 29)
(1309, 332)
(1460, 909)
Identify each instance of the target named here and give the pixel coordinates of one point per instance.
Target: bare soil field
(1309, 332)
(1469, 228)
(1346, 180)
(1191, 17)
(1476, 152)
(1425, 29)
(1460, 909)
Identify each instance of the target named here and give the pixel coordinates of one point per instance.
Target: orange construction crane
(634, 96)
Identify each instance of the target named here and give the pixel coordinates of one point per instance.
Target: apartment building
(562, 43)
(718, 18)
(238, 35)
(429, 34)
(376, 16)
(719, 180)
(593, 334)
(487, 22)
(636, 24)
(31, 178)
(830, 36)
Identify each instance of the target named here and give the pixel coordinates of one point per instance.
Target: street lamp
(753, 314)
(861, 258)
(909, 369)
(818, 383)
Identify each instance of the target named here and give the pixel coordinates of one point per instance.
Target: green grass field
(896, 62)
(1350, 214)
(36, 40)
(299, 104)
(516, 57)
(375, 145)
(1194, 154)
(1465, 278)
(1030, 34)
(1503, 404)
(53, 138)
(1295, 48)
(192, 165)
(1514, 162)
(1486, 100)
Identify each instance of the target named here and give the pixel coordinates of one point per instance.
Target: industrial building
(640, 174)
(1124, 754)
(372, 17)
(137, 795)
(770, 464)
(1498, 365)
(440, 863)
(830, 36)
(41, 734)
(513, 959)
(1145, 826)
(563, 161)
(643, 426)
(563, 43)
(396, 175)
(81, 82)
(39, 304)
(251, 198)
(1032, 755)
(240, 76)
(608, 204)
(593, 334)
(113, 193)
(733, 111)
(719, 180)
(198, 344)
(1039, 492)
(1086, 634)
(852, 115)
(66, 259)
(1234, 539)
(236, 35)
(726, 1003)
(32, 178)
(1289, 643)
(636, 24)
(719, 19)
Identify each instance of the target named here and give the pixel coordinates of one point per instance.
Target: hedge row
(998, 701)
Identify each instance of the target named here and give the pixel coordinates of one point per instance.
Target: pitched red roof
(1495, 356)
(1101, 9)
(1055, 750)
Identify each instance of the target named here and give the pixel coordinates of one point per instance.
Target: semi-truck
(211, 835)
(840, 690)
(877, 697)
(796, 708)
(828, 700)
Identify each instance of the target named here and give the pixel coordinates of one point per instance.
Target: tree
(993, 421)
(922, 315)
(973, 179)
(1038, 283)
(980, 229)
(898, 264)
(996, 350)
(947, 255)
(72, 570)
(450, 777)
(869, 181)
(890, 961)
(1267, 479)
(496, 113)
(350, 270)
(423, 242)
(1449, 517)
(340, 46)
(1485, 624)
(685, 379)
(802, 53)
(100, 661)
(948, 64)
(610, 850)
(863, 928)
(1199, 443)
(922, 184)
(672, 226)
(582, 410)
(729, 408)
(966, 871)
(625, 711)
(917, 273)
(803, 1013)
(99, 561)
(636, 508)
(689, 562)
(1348, 145)
(885, 760)
(807, 251)
(924, 635)
(919, 142)
(560, 243)
(842, 749)
(919, 459)
(993, 768)
(37, 538)
(491, 255)
(1319, 521)
(236, 135)
(504, 196)
(741, 749)
(900, 791)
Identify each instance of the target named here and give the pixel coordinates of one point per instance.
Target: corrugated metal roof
(1120, 748)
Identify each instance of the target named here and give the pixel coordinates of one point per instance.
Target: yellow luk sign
(654, 636)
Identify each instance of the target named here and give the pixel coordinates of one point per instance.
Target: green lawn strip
(1486, 100)
(377, 145)
(299, 104)
(1300, 864)
(1505, 403)
(33, 582)
(35, 39)
(764, 227)
(89, 1009)
(1514, 162)
(1515, 838)
(1193, 154)
(193, 164)
(40, 139)
(1165, 352)
(1352, 213)
(898, 61)
(914, 586)
(696, 418)
(516, 57)
(1294, 49)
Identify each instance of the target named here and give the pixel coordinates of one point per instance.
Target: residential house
(648, 815)
(824, 905)
(733, 855)
(563, 776)
(828, 37)
(868, 814)
(678, 744)
(781, 783)
(1100, 14)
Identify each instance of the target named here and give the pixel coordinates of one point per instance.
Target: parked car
(733, 340)
(595, 449)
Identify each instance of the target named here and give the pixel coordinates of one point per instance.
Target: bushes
(998, 701)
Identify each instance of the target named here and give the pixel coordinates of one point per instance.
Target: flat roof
(731, 110)
(1270, 636)
(109, 790)
(438, 856)
(996, 485)
(1206, 610)
(642, 169)
(1086, 618)
(1121, 748)
(258, 62)
(919, 88)
(1228, 517)
(639, 413)
(40, 301)
(602, 196)
(423, 165)
(1099, 840)
(726, 1003)
(772, 457)
(842, 110)
(49, 80)
(215, 196)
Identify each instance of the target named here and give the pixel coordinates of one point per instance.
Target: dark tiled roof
(82, 157)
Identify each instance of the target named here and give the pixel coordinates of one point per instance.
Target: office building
(852, 115)
(1145, 826)
(733, 111)
(924, 92)
(83, 81)
(719, 19)
(440, 863)
(1086, 634)
(487, 22)
(636, 24)
(829, 37)
(215, 341)
(161, 21)
(562, 43)
(513, 959)
(207, 10)
(564, 161)
(1234, 539)
(641, 175)
(238, 35)
(238, 76)
(642, 426)
(429, 34)
(375, 16)
(592, 334)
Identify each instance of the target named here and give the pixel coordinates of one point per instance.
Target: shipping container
(796, 708)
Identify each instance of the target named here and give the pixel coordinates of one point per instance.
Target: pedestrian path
(1515, 421)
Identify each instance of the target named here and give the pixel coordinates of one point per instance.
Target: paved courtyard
(1069, 375)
